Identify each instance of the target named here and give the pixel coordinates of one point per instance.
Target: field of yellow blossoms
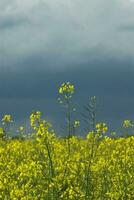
(43, 166)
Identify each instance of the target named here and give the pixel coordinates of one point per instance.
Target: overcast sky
(87, 42)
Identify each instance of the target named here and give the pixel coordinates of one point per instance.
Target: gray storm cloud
(46, 42)
(61, 32)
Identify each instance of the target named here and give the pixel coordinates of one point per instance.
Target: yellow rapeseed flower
(66, 88)
(7, 118)
(127, 123)
(101, 128)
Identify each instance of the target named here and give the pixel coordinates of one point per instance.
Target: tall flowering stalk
(6, 121)
(66, 92)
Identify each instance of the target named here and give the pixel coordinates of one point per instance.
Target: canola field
(43, 166)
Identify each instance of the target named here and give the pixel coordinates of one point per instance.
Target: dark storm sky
(89, 43)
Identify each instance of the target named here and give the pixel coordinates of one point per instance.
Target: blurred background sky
(46, 42)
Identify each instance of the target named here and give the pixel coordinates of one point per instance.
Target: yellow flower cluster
(35, 118)
(101, 128)
(66, 88)
(7, 118)
(48, 167)
(127, 124)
